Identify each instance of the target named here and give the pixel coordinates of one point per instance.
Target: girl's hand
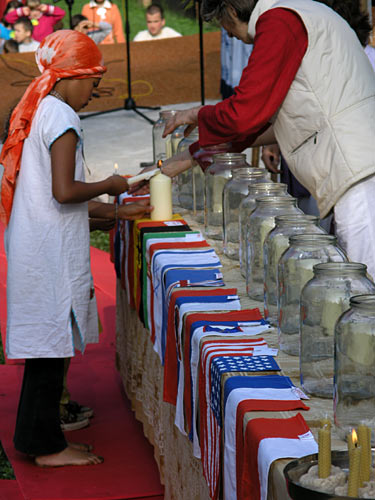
(43, 7)
(118, 185)
(134, 211)
(185, 117)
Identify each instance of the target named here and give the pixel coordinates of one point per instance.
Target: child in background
(43, 17)
(156, 28)
(23, 30)
(97, 32)
(104, 10)
(44, 200)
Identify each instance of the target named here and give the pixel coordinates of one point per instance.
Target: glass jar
(247, 207)
(162, 147)
(216, 176)
(191, 182)
(176, 138)
(235, 190)
(323, 300)
(354, 365)
(275, 244)
(260, 223)
(294, 271)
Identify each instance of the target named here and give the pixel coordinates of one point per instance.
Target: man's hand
(185, 117)
(271, 157)
(133, 211)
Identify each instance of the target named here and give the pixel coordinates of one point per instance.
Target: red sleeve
(13, 15)
(279, 46)
(56, 12)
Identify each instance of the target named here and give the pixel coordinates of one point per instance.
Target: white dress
(48, 250)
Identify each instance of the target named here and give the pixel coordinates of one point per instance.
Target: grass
(100, 239)
(184, 25)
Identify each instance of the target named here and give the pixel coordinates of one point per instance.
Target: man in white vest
(310, 87)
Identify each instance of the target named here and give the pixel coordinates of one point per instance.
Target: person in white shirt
(156, 28)
(23, 30)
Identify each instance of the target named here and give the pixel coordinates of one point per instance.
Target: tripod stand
(129, 103)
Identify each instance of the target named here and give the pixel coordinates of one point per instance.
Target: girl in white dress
(45, 204)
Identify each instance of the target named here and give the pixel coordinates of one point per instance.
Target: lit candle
(354, 467)
(325, 421)
(115, 169)
(161, 197)
(364, 441)
(324, 457)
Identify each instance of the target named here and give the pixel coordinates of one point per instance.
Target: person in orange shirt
(98, 11)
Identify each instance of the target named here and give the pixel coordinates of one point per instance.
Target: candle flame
(115, 166)
(354, 437)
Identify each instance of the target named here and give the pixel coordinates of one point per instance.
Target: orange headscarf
(63, 54)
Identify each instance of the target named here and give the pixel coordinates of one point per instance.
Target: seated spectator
(97, 32)
(10, 46)
(23, 30)
(104, 10)
(43, 17)
(156, 28)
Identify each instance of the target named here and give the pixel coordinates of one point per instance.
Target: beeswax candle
(364, 441)
(324, 457)
(354, 467)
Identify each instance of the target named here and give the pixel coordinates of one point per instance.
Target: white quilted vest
(326, 125)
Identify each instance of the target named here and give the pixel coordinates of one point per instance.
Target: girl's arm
(14, 15)
(53, 11)
(67, 190)
(130, 211)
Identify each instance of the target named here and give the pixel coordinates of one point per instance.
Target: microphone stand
(129, 103)
(201, 50)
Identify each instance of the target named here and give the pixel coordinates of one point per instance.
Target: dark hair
(13, 4)
(351, 11)
(155, 8)
(26, 23)
(219, 9)
(78, 18)
(10, 46)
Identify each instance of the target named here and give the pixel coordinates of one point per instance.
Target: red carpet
(129, 470)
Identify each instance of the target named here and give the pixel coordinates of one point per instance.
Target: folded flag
(268, 387)
(266, 440)
(226, 364)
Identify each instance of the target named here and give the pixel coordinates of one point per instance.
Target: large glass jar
(162, 147)
(191, 182)
(260, 223)
(323, 299)
(354, 365)
(247, 207)
(235, 190)
(276, 242)
(294, 271)
(216, 176)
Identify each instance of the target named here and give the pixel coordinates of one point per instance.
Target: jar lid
(290, 219)
(363, 301)
(228, 157)
(261, 187)
(341, 268)
(248, 172)
(276, 200)
(312, 239)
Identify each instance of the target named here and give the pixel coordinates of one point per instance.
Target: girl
(44, 201)
(98, 11)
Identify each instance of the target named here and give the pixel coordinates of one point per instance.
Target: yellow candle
(115, 169)
(364, 441)
(354, 468)
(324, 457)
(325, 422)
(161, 197)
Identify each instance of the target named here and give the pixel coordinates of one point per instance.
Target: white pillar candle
(161, 197)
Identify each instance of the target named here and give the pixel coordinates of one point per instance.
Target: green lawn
(184, 25)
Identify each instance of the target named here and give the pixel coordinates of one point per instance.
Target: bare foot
(69, 456)
(80, 446)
